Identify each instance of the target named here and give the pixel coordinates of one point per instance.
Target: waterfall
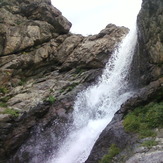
(95, 107)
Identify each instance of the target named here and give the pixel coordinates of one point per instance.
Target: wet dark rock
(113, 134)
(148, 60)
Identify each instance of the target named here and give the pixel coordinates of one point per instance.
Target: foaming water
(95, 107)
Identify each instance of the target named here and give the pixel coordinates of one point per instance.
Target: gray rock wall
(148, 60)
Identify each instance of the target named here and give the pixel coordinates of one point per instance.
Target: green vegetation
(113, 151)
(12, 112)
(22, 82)
(3, 90)
(51, 99)
(5, 98)
(3, 101)
(149, 143)
(71, 87)
(144, 119)
(3, 104)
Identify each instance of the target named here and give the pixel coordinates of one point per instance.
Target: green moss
(51, 99)
(144, 119)
(113, 151)
(149, 143)
(12, 112)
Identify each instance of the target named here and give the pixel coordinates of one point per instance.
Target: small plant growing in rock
(51, 99)
(22, 82)
(3, 104)
(112, 152)
(12, 112)
(71, 87)
(3, 90)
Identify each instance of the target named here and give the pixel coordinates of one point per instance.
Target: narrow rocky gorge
(43, 66)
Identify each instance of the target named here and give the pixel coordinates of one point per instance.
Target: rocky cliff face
(146, 76)
(149, 55)
(42, 67)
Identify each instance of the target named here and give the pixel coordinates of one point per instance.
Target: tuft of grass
(12, 112)
(149, 143)
(144, 119)
(51, 99)
(112, 152)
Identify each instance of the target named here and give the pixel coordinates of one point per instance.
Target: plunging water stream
(95, 107)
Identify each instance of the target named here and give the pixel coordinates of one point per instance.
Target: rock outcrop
(146, 77)
(148, 61)
(42, 67)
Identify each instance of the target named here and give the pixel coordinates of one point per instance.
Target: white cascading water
(95, 107)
